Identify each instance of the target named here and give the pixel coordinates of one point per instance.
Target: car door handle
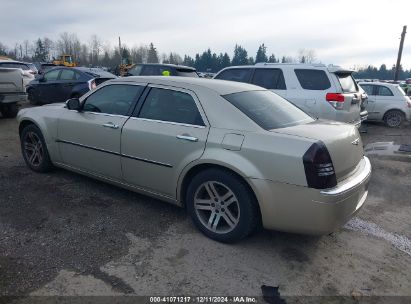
(110, 125)
(187, 137)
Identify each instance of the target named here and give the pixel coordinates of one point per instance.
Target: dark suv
(157, 69)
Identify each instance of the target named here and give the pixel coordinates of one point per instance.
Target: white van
(327, 92)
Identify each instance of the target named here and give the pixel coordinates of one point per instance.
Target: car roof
(169, 65)
(97, 71)
(320, 66)
(378, 83)
(221, 87)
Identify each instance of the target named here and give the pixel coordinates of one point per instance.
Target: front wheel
(394, 118)
(222, 206)
(34, 149)
(9, 110)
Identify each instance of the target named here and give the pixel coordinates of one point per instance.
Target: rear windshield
(186, 73)
(348, 84)
(268, 110)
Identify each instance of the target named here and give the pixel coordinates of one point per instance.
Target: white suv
(387, 102)
(327, 92)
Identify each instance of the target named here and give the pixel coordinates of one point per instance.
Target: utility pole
(398, 65)
(119, 49)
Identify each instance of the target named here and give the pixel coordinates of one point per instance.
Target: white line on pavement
(399, 241)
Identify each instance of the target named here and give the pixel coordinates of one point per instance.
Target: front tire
(222, 206)
(34, 149)
(31, 98)
(394, 118)
(9, 110)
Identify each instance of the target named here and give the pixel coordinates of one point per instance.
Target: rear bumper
(13, 97)
(305, 210)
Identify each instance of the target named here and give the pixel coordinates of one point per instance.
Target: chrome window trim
(169, 122)
(105, 114)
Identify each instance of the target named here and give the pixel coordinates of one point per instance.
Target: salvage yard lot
(65, 234)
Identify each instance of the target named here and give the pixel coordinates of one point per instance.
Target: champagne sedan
(235, 155)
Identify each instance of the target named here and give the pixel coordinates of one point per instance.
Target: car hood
(342, 141)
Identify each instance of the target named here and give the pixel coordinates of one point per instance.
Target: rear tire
(34, 149)
(9, 110)
(222, 206)
(394, 118)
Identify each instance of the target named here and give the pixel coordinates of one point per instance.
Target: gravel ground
(65, 234)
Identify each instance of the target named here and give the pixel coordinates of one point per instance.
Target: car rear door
(271, 79)
(65, 84)
(89, 140)
(48, 86)
(166, 132)
(385, 100)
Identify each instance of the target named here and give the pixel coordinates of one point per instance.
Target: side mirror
(73, 104)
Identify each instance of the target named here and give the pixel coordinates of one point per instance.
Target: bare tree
(95, 45)
(306, 56)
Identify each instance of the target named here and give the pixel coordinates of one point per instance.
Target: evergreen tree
(272, 59)
(225, 61)
(40, 53)
(188, 61)
(261, 54)
(152, 56)
(240, 56)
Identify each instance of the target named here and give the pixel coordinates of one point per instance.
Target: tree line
(96, 52)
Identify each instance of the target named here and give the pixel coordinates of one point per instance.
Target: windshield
(268, 110)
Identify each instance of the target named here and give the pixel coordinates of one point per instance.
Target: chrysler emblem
(356, 142)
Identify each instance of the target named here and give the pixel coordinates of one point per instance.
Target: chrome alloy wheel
(33, 149)
(216, 207)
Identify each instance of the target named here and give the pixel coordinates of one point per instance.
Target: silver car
(235, 155)
(387, 102)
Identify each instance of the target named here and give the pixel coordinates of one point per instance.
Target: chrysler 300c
(234, 155)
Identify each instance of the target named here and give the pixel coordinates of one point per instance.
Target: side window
(384, 91)
(269, 79)
(113, 99)
(368, 89)
(52, 75)
(312, 79)
(170, 105)
(240, 75)
(67, 75)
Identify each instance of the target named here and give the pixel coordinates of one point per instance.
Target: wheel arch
(25, 122)
(393, 109)
(194, 169)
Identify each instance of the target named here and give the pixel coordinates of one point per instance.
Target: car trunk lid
(342, 141)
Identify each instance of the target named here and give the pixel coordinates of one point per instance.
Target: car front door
(166, 132)
(89, 139)
(372, 99)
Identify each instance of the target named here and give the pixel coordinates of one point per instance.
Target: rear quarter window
(312, 79)
(239, 75)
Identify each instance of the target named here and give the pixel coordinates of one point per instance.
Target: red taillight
(336, 100)
(93, 85)
(409, 102)
(335, 97)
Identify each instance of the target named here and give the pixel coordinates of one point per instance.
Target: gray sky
(345, 32)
